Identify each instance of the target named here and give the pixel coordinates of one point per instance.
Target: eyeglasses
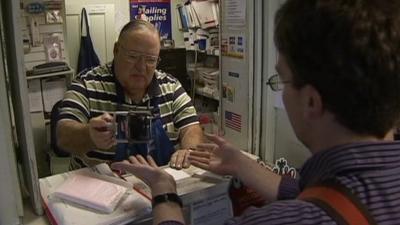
(275, 82)
(133, 56)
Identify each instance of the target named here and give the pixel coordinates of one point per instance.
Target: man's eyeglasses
(275, 82)
(133, 57)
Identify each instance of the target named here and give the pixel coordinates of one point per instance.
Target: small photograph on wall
(230, 94)
(53, 16)
(52, 48)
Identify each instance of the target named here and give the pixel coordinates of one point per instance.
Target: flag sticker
(233, 121)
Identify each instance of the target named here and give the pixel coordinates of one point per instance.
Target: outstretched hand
(156, 178)
(219, 157)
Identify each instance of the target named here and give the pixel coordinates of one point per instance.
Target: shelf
(215, 53)
(60, 73)
(205, 94)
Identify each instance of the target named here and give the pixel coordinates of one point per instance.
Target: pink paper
(91, 192)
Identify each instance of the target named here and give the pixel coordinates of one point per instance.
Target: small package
(91, 192)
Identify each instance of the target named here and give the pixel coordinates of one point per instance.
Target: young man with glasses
(130, 81)
(339, 72)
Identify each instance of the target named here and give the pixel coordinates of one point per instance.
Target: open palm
(146, 170)
(219, 157)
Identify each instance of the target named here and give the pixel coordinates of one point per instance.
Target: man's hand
(156, 178)
(100, 132)
(219, 157)
(180, 159)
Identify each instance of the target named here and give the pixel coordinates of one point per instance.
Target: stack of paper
(204, 196)
(209, 77)
(91, 192)
(53, 90)
(35, 96)
(132, 207)
(207, 13)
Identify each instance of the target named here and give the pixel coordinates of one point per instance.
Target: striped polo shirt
(371, 170)
(94, 92)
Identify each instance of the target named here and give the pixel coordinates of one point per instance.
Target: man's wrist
(162, 189)
(242, 163)
(91, 144)
(163, 185)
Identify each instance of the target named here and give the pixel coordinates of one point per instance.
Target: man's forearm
(257, 177)
(191, 136)
(168, 211)
(74, 137)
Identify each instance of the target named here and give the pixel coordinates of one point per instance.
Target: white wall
(177, 35)
(286, 144)
(122, 15)
(121, 9)
(278, 138)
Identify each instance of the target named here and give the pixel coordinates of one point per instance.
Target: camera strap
(339, 202)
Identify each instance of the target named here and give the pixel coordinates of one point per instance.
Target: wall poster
(233, 46)
(158, 12)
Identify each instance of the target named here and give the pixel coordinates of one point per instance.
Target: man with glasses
(130, 81)
(339, 72)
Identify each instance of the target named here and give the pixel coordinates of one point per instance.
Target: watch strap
(167, 197)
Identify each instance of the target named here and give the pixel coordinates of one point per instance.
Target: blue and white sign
(158, 12)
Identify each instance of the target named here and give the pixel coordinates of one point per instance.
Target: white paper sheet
(235, 13)
(131, 208)
(205, 13)
(53, 90)
(91, 192)
(177, 174)
(35, 96)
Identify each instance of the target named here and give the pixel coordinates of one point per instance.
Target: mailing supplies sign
(158, 12)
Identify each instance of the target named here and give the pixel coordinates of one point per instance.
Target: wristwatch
(167, 197)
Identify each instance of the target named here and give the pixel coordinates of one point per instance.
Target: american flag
(233, 121)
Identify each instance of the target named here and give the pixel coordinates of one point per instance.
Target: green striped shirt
(95, 92)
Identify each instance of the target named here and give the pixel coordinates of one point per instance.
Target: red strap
(340, 203)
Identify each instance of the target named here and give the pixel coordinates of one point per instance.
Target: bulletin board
(43, 31)
(236, 73)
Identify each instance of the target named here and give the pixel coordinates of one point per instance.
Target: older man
(130, 81)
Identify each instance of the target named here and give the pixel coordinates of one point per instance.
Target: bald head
(137, 25)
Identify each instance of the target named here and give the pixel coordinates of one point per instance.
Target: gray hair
(135, 25)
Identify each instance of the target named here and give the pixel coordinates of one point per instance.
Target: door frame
(19, 94)
(108, 23)
(269, 59)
